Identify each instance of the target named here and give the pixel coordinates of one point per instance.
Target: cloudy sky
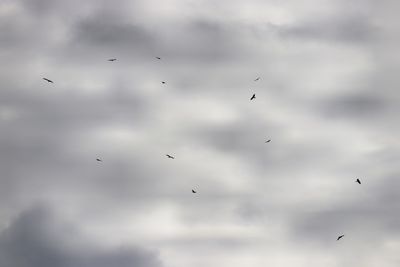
(327, 97)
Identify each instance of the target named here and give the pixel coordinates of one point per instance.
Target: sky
(327, 98)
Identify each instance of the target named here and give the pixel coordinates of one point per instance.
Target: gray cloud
(341, 29)
(355, 106)
(38, 238)
(205, 41)
(353, 217)
(111, 33)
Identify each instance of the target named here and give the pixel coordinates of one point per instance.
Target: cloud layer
(326, 97)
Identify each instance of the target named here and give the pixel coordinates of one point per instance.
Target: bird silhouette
(158, 58)
(112, 59)
(339, 237)
(99, 160)
(163, 82)
(358, 181)
(47, 80)
(253, 97)
(258, 78)
(170, 157)
(269, 140)
(194, 192)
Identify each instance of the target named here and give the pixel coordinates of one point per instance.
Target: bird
(163, 82)
(99, 160)
(112, 59)
(47, 80)
(170, 157)
(358, 181)
(158, 58)
(194, 192)
(258, 78)
(269, 140)
(339, 237)
(253, 97)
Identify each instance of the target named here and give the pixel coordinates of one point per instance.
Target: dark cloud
(365, 105)
(204, 41)
(113, 33)
(38, 238)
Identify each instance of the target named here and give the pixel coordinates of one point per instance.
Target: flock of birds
(172, 157)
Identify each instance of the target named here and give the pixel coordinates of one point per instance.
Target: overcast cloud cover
(328, 98)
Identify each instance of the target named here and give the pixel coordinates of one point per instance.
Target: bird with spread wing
(47, 80)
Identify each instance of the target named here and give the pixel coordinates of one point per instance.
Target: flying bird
(163, 82)
(253, 97)
(99, 160)
(194, 192)
(358, 181)
(339, 237)
(158, 58)
(170, 157)
(47, 80)
(112, 59)
(258, 78)
(269, 140)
